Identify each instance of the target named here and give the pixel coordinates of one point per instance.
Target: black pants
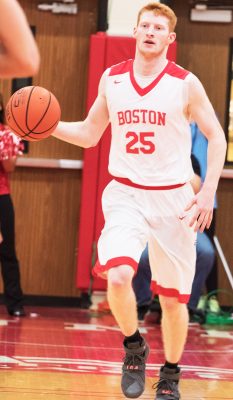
(212, 279)
(10, 266)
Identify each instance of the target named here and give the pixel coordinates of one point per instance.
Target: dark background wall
(47, 201)
(204, 49)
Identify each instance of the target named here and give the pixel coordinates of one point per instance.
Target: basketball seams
(46, 130)
(42, 117)
(32, 131)
(26, 114)
(48, 110)
(16, 123)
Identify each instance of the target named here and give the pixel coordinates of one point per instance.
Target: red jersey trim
(128, 182)
(120, 68)
(99, 269)
(169, 292)
(127, 66)
(170, 69)
(176, 71)
(147, 89)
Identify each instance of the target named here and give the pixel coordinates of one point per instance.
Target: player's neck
(149, 66)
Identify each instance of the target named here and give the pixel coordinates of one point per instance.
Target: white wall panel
(122, 16)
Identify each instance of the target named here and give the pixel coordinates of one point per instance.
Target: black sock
(172, 366)
(136, 337)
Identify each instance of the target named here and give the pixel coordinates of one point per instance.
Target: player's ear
(134, 31)
(172, 37)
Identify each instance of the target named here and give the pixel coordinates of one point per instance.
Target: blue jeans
(204, 264)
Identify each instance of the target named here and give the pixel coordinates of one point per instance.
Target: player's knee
(120, 277)
(169, 304)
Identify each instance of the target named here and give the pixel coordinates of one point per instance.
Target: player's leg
(173, 284)
(174, 326)
(121, 298)
(122, 302)
(119, 250)
(174, 323)
(141, 285)
(172, 258)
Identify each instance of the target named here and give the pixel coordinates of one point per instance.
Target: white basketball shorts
(134, 217)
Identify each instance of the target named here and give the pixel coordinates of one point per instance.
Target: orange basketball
(33, 113)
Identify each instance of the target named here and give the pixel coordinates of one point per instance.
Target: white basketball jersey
(151, 139)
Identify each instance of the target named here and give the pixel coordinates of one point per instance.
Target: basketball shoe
(167, 386)
(133, 370)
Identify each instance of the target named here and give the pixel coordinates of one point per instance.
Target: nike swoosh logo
(117, 82)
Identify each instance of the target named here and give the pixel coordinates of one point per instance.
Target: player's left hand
(204, 203)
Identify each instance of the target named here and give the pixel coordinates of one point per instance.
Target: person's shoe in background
(202, 303)
(17, 312)
(142, 311)
(197, 316)
(213, 305)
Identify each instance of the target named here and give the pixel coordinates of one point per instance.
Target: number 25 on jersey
(140, 143)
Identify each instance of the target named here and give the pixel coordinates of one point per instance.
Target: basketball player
(19, 55)
(149, 102)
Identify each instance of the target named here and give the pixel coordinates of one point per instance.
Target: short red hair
(160, 9)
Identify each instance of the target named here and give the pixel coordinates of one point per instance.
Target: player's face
(152, 34)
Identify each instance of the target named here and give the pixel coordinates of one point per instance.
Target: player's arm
(19, 55)
(202, 112)
(87, 133)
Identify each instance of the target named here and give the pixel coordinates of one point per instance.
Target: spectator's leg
(142, 280)
(204, 264)
(10, 265)
(212, 279)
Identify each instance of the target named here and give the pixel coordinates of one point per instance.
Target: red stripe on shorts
(99, 269)
(169, 292)
(126, 181)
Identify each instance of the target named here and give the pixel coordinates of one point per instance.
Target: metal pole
(224, 261)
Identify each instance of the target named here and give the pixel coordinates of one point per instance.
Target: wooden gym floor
(72, 354)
